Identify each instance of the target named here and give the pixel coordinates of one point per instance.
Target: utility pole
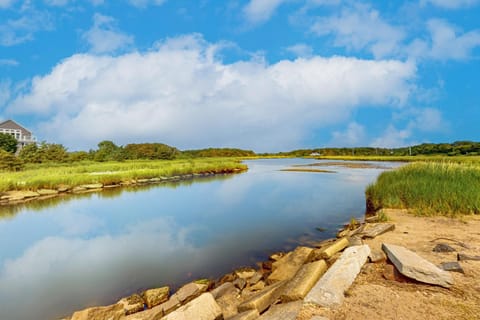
(410, 151)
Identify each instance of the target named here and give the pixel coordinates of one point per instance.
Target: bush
(8, 162)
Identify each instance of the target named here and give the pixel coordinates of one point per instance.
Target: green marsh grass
(36, 177)
(429, 188)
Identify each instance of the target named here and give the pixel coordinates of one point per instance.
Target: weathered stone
(19, 195)
(156, 313)
(257, 286)
(337, 246)
(240, 283)
(463, 257)
(203, 307)
(132, 304)
(263, 299)
(355, 241)
(78, 189)
(246, 315)
(255, 278)
(190, 291)
(47, 192)
(452, 266)
(289, 265)
(154, 297)
(63, 188)
(267, 265)
(391, 273)
(277, 256)
(112, 312)
(245, 273)
(371, 219)
(285, 311)
(172, 304)
(229, 277)
(373, 230)
(443, 247)
(319, 318)
(308, 275)
(92, 186)
(229, 303)
(223, 289)
(413, 266)
(377, 256)
(329, 290)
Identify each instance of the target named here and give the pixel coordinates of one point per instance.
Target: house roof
(10, 124)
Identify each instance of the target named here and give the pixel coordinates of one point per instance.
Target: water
(65, 254)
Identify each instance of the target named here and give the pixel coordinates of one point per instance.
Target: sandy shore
(374, 297)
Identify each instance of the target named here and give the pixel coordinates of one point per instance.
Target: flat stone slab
(223, 289)
(413, 266)
(263, 299)
(329, 290)
(190, 291)
(308, 275)
(335, 247)
(443, 247)
(112, 312)
(463, 257)
(202, 308)
(47, 192)
(132, 304)
(284, 311)
(247, 315)
(156, 296)
(377, 256)
(287, 266)
(372, 230)
(452, 266)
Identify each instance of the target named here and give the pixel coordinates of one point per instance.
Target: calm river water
(65, 254)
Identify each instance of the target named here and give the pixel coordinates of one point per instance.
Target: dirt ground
(373, 297)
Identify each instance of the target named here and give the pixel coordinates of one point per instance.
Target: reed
(429, 188)
(36, 177)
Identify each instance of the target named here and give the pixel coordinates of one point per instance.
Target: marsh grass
(36, 177)
(434, 158)
(429, 188)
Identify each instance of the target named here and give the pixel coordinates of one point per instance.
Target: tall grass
(433, 158)
(51, 176)
(429, 188)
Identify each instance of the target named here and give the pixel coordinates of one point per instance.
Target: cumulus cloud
(361, 28)
(23, 29)
(354, 135)
(301, 50)
(180, 93)
(259, 11)
(104, 35)
(451, 4)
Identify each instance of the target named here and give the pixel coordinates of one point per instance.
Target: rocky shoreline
(21, 196)
(306, 283)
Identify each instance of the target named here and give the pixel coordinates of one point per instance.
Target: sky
(265, 75)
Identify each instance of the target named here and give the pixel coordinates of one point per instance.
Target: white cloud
(259, 11)
(57, 3)
(9, 62)
(451, 4)
(6, 3)
(180, 93)
(105, 37)
(354, 135)
(5, 92)
(145, 3)
(301, 50)
(361, 28)
(16, 31)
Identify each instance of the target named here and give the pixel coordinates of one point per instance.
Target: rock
(203, 307)
(240, 283)
(452, 266)
(47, 192)
(267, 265)
(150, 314)
(190, 291)
(277, 256)
(373, 230)
(413, 266)
(154, 297)
(285, 311)
(377, 256)
(223, 289)
(257, 286)
(229, 303)
(463, 257)
(245, 273)
(78, 189)
(172, 304)
(329, 290)
(303, 281)
(255, 278)
(63, 188)
(337, 246)
(443, 247)
(263, 299)
(247, 315)
(112, 312)
(392, 274)
(19, 195)
(355, 241)
(229, 277)
(132, 304)
(289, 265)
(92, 186)
(371, 219)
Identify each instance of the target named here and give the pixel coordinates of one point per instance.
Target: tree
(8, 143)
(45, 152)
(108, 151)
(9, 162)
(29, 153)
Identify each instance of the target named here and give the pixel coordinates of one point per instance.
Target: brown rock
(154, 297)
(112, 312)
(373, 230)
(132, 304)
(263, 299)
(290, 264)
(190, 291)
(203, 307)
(377, 256)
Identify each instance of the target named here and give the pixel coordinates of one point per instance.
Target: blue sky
(267, 75)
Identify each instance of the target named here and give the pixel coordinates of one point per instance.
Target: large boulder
(202, 308)
(413, 266)
(132, 304)
(112, 312)
(299, 286)
(286, 267)
(154, 297)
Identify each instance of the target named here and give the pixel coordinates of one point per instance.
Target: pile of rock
(280, 288)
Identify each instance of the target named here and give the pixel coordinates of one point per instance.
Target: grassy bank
(436, 158)
(50, 176)
(429, 188)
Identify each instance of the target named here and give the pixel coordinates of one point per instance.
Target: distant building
(22, 135)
